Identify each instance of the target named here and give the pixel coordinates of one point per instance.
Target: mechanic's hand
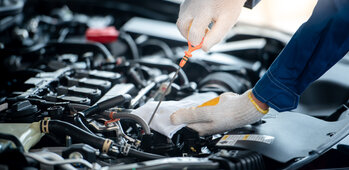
(200, 13)
(226, 112)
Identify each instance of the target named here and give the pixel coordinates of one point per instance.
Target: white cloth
(200, 13)
(161, 121)
(232, 111)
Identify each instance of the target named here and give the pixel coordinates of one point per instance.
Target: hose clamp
(44, 126)
(106, 145)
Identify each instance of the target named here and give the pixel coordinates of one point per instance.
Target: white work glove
(232, 111)
(161, 122)
(200, 13)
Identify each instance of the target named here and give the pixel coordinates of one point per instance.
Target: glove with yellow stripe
(226, 112)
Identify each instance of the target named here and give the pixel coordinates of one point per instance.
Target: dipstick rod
(163, 95)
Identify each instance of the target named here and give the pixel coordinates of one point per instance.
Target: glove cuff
(263, 111)
(246, 112)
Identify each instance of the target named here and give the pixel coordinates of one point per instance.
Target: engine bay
(73, 72)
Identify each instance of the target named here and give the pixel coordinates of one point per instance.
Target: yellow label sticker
(230, 140)
(245, 137)
(225, 137)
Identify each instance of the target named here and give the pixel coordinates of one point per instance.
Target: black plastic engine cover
(291, 135)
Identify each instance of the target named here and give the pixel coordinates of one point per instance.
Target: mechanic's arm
(315, 47)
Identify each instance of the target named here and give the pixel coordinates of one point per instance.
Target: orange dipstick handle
(188, 54)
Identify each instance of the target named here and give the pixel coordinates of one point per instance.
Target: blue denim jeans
(316, 46)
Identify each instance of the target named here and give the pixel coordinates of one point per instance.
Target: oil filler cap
(102, 35)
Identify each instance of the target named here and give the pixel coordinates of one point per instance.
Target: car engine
(73, 72)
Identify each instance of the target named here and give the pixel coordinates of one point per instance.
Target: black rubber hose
(61, 127)
(91, 110)
(109, 103)
(144, 155)
(121, 99)
(183, 79)
(13, 139)
(73, 47)
(131, 43)
(78, 120)
(154, 42)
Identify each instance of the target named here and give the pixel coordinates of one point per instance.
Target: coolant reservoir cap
(102, 35)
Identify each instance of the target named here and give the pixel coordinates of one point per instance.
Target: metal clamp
(106, 145)
(125, 149)
(44, 126)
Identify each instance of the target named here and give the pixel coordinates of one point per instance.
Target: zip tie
(111, 119)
